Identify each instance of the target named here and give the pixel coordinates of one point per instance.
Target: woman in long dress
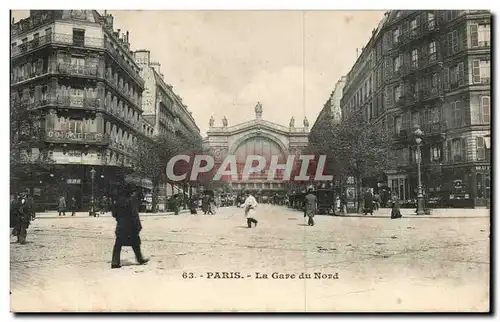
(250, 205)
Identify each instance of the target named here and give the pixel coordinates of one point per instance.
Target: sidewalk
(55, 214)
(435, 213)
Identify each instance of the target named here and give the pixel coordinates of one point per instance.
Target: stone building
(73, 68)
(257, 137)
(163, 108)
(432, 71)
(331, 111)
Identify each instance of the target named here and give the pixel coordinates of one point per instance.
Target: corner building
(74, 69)
(432, 70)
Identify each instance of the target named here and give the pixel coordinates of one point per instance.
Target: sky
(223, 62)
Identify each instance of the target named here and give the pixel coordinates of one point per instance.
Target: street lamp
(92, 207)
(420, 196)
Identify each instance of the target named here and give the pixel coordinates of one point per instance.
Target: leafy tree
(152, 156)
(354, 147)
(28, 159)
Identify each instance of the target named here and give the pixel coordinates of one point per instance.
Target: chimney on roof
(105, 12)
(127, 37)
(357, 53)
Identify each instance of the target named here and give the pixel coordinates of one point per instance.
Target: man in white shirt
(250, 213)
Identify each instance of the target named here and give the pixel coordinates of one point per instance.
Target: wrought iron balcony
(435, 128)
(430, 94)
(77, 101)
(403, 135)
(55, 38)
(61, 68)
(77, 70)
(406, 100)
(67, 136)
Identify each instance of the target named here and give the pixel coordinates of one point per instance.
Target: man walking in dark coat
(368, 202)
(128, 226)
(25, 213)
(310, 206)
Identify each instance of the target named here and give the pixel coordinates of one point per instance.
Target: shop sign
(73, 181)
(482, 168)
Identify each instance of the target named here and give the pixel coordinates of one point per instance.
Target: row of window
(456, 151)
(454, 112)
(362, 94)
(428, 18)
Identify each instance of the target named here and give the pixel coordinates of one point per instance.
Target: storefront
(481, 183)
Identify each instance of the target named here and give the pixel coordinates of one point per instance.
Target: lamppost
(420, 196)
(92, 205)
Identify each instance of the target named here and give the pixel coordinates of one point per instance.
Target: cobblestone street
(439, 262)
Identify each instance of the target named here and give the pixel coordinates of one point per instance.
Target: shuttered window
(485, 109)
(476, 71)
(480, 148)
(474, 37)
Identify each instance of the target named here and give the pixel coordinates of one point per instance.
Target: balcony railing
(77, 101)
(117, 56)
(403, 134)
(77, 70)
(55, 38)
(434, 128)
(430, 93)
(67, 136)
(65, 69)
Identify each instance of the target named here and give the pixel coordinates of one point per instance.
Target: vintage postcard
(250, 161)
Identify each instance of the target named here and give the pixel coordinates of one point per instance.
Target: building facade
(432, 71)
(74, 69)
(332, 109)
(257, 137)
(164, 109)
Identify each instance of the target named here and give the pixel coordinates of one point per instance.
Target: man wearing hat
(310, 206)
(25, 213)
(250, 213)
(128, 224)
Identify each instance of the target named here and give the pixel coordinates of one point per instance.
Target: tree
(354, 147)
(28, 159)
(153, 155)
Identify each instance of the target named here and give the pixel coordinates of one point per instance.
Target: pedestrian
(368, 202)
(250, 206)
(343, 203)
(193, 204)
(310, 206)
(128, 226)
(25, 212)
(376, 201)
(14, 208)
(176, 204)
(205, 203)
(103, 205)
(72, 205)
(396, 207)
(62, 206)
